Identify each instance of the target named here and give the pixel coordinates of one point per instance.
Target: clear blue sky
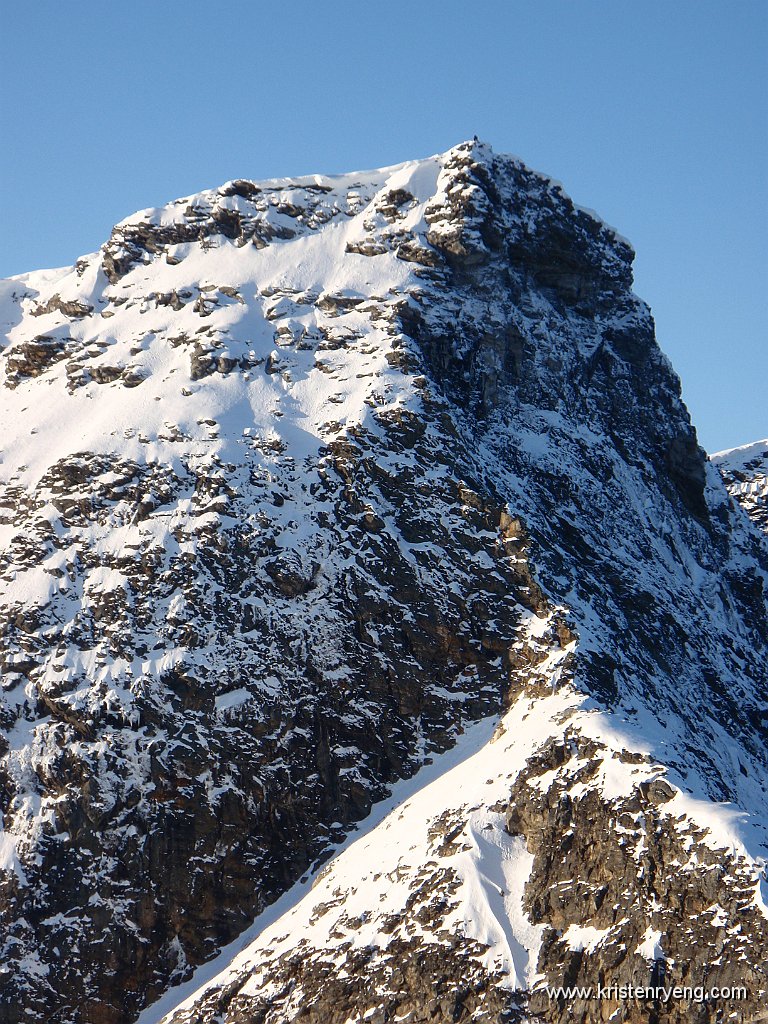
(654, 113)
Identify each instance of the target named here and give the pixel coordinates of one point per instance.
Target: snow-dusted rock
(301, 479)
(745, 471)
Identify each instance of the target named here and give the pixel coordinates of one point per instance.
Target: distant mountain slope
(300, 479)
(745, 471)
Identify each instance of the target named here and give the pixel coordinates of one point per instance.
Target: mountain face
(370, 502)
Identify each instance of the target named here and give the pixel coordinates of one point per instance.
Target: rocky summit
(378, 643)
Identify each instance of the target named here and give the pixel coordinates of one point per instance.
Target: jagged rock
(33, 357)
(69, 307)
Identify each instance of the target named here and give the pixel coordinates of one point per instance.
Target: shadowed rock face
(311, 459)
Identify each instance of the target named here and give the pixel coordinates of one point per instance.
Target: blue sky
(653, 113)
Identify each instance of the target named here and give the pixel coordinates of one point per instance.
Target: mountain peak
(253, 275)
(306, 482)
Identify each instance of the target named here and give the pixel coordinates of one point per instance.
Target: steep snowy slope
(299, 479)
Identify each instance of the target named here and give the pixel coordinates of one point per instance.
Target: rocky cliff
(304, 482)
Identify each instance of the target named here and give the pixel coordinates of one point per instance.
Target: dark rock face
(418, 983)
(227, 634)
(645, 876)
(321, 720)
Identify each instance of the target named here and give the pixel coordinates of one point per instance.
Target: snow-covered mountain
(745, 471)
(324, 492)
